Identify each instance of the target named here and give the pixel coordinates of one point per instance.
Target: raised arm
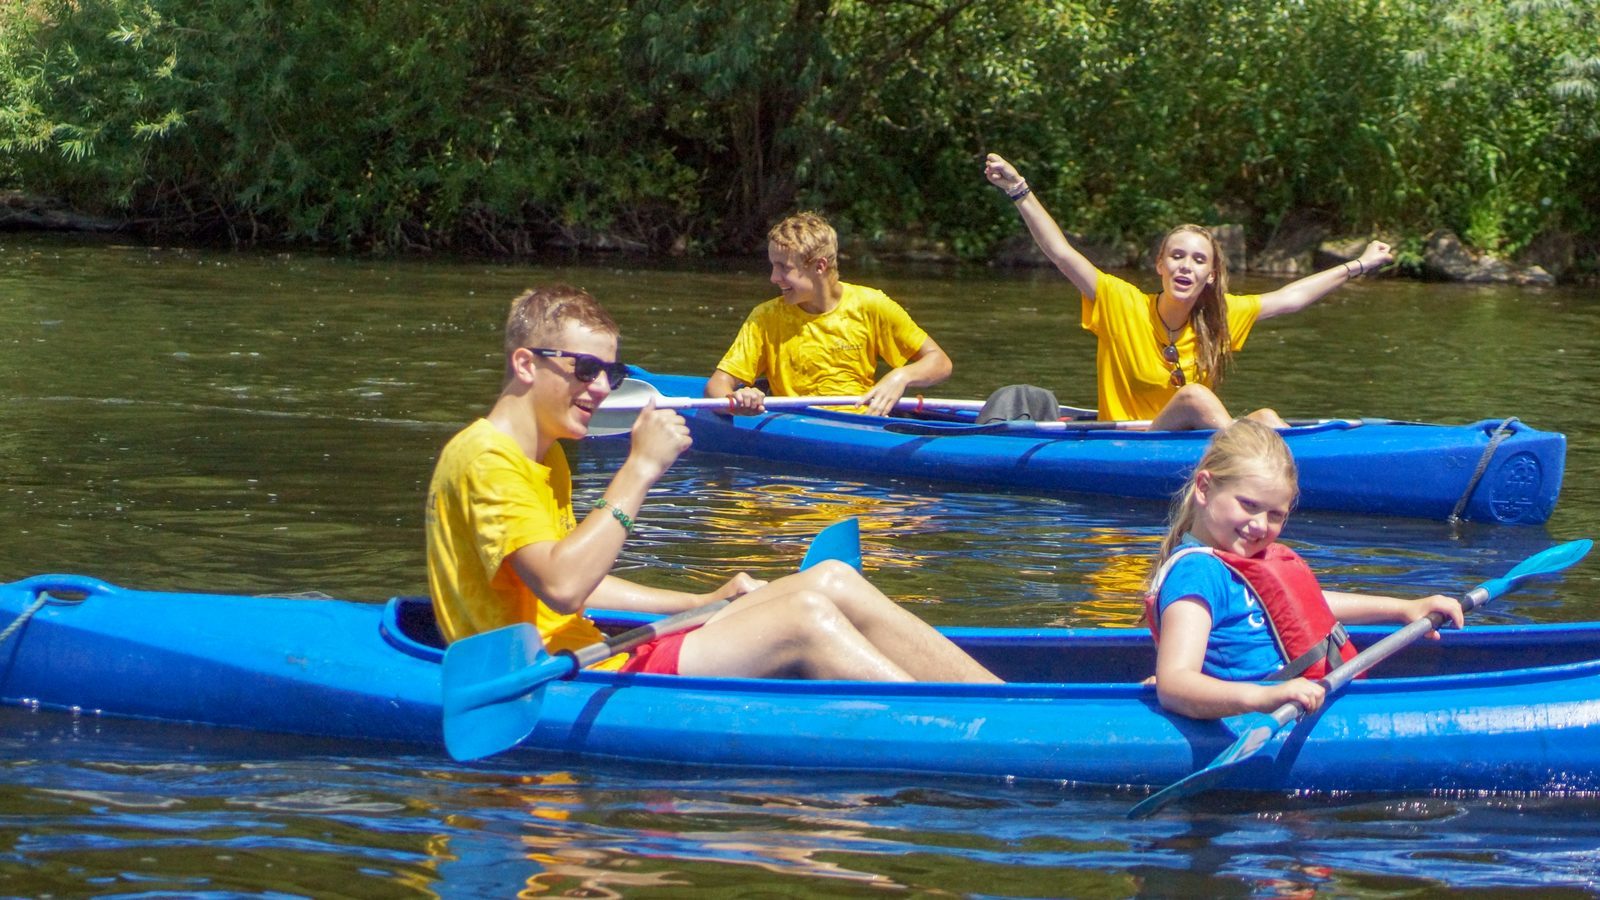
(1298, 295)
(1046, 233)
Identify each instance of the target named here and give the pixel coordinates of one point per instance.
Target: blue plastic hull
(1490, 708)
(1377, 467)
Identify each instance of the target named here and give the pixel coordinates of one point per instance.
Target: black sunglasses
(587, 367)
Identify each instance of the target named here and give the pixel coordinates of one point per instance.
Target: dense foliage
(501, 126)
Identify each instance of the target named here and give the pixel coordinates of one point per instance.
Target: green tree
(509, 127)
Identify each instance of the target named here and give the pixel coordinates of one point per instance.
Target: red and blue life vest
(1302, 625)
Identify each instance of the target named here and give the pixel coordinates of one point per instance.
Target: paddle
(493, 683)
(617, 414)
(1257, 730)
(1025, 427)
(1011, 426)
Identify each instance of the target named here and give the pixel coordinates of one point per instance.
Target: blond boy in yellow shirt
(822, 336)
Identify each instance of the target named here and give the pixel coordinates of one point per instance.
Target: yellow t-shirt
(832, 355)
(1134, 381)
(486, 501)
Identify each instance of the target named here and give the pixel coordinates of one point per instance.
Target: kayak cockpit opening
(1125, 655)
(409, 626)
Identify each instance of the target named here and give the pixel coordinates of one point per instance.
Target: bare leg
(1269, 418)
(898, 634)
(1194, 406)
(793, 634)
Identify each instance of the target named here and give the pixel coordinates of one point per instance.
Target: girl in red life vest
(1232, 609)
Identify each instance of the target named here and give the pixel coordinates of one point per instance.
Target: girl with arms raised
(1161, 356)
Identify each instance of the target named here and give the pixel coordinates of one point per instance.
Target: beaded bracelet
(1018, 193)
(616, 513)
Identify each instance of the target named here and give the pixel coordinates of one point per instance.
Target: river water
(202, 420)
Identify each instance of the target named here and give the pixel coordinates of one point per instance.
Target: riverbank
(21, 212)
(1290, 253)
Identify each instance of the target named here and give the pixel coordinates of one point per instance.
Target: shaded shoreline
(1294, 254)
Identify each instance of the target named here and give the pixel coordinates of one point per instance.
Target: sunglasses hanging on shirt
(1169, 352)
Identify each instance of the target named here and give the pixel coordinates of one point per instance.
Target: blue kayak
(1496, 471)
(1491, 708)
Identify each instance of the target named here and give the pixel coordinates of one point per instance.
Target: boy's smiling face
(563, 404)
(796, 278)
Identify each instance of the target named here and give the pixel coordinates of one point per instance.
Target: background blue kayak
(1493, 470)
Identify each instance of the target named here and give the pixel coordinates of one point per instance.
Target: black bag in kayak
(1020, 402)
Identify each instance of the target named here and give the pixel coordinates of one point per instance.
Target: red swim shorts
(659, 657)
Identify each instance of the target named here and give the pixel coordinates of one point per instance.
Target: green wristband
(616, 513)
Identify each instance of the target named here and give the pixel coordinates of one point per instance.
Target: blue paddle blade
(1256, 732)
(1551, 560)
(479, 717)
(1546, 562)
(841, 541)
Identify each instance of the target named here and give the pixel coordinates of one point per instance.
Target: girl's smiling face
(1187, 264)
(1241, 515)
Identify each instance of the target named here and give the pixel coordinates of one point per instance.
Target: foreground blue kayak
(1501, 708)
(1492, 471)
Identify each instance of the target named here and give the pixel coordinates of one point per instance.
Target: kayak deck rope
(27, 614)
(1501, 432)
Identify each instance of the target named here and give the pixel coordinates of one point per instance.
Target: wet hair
(1244, 448)
(539, 314)
(808, 236)
(1210, 314)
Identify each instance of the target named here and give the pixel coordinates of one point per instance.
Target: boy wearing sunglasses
(505, 543)
(823, 337)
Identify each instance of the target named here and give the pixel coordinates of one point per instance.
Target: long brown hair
(1244, 448)
(1214, 346)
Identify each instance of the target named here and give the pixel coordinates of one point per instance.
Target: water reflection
(170, 809)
